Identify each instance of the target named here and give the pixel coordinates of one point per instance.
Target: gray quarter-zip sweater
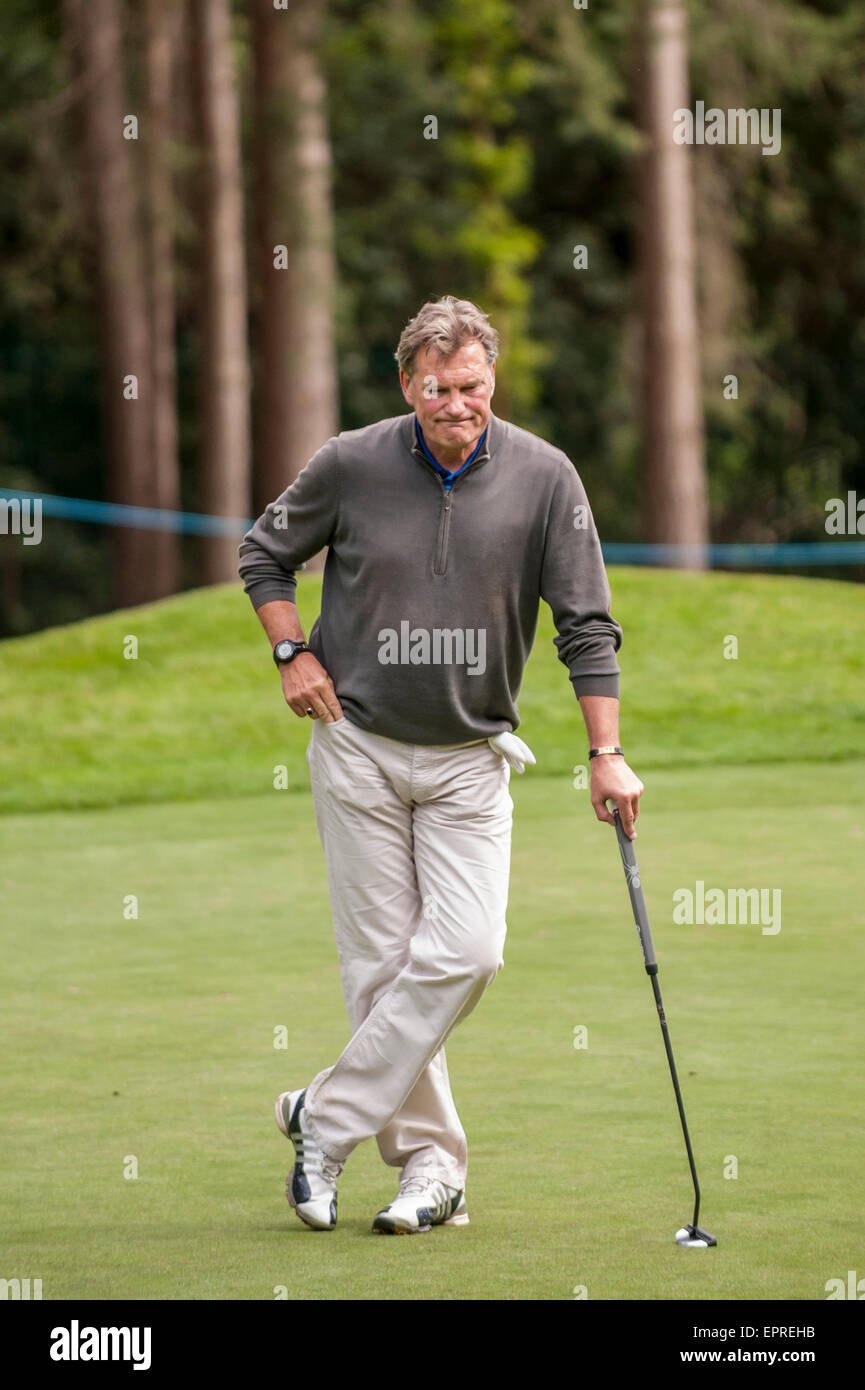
(430, 598)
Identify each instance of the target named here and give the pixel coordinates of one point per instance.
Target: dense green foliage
(535, 154)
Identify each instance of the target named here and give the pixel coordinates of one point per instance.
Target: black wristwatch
(286, 651)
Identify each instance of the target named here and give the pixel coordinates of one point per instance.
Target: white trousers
(417, 846)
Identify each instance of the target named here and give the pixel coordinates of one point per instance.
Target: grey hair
(445, 325)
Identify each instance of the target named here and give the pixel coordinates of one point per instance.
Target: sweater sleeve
(574, 584)
(295, 527)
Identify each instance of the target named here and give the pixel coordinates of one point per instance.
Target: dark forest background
(301, 177)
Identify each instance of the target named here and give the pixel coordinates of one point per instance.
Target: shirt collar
(419, 446)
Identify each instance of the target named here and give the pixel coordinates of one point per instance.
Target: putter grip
(638, 901)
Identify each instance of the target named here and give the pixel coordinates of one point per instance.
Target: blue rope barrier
(791, 554)
(144, 518)
(796, 554)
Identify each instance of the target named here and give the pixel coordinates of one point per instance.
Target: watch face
(285, 650)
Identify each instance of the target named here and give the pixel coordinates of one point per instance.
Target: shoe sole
(385, 1226)
(282, 1124)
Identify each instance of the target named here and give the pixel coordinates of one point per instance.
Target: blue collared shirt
(447, 477)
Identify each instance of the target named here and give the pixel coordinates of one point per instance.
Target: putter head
(695, 1238)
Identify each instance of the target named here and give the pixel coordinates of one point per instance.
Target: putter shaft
(641, 920)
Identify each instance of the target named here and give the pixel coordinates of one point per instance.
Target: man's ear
(493, 377)
(405, 384)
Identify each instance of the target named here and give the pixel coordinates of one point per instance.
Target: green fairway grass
(148, 1042)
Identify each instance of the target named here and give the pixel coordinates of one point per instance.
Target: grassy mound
(200, 713)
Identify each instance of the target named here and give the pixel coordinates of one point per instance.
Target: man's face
(451, 397)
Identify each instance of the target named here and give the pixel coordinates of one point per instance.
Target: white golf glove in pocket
(513, 750)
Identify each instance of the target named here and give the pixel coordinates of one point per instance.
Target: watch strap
(298, 648)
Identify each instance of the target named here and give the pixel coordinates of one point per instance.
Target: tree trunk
(674, 491)
(162, 31)
(93, 35)
(296, 397)
(224, 385)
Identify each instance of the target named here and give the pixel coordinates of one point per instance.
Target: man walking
(444, 528)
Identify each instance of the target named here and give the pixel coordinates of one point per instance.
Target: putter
(693, 1236)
